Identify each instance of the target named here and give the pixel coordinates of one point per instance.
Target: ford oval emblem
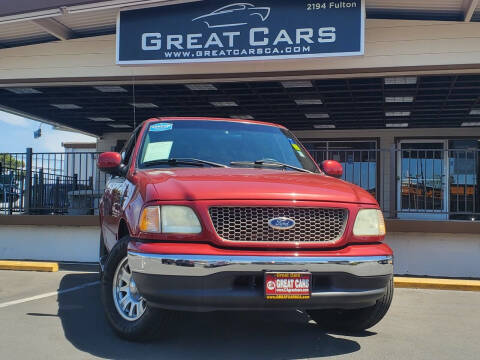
(281, 223)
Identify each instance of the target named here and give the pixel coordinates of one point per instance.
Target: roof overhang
(429, 101)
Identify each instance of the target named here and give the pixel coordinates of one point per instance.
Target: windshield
(221, 142)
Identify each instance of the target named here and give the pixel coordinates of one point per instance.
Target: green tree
(10, 162)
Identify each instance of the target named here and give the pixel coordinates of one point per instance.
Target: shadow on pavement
(86, 267)
(218, 335)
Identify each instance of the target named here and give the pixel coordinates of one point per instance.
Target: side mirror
(332, 168)
(110, 162)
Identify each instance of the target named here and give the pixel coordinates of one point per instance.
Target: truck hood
(245, 184)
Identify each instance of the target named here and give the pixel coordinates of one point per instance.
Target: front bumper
(211, 282)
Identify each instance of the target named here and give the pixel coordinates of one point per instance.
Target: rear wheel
(356, 319)
(126, 310)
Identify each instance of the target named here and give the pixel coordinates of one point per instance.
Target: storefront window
(422, 181)
(358, 158)
(439, 179)
(464, 179)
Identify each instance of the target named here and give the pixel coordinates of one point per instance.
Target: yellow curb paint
(28, 265)
(438, 284)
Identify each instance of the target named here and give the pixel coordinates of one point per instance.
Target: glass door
(422, 180)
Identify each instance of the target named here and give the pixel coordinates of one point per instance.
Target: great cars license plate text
(287, 286)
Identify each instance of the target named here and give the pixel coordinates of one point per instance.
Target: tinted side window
(129, 146)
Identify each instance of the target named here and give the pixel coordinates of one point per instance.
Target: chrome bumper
(205, 265)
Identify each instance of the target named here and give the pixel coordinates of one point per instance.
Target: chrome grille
(251, 224)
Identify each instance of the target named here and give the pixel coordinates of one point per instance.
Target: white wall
(58, 243)
(444, 255)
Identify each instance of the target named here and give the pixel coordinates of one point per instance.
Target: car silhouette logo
(234, 15)
(281, 223)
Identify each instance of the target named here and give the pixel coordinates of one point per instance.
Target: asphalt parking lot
(59, 316)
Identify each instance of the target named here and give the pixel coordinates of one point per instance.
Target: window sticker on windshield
(295, 146)
(158, 151)
(161, 127)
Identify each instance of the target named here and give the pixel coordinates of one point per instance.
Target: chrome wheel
(129, 303)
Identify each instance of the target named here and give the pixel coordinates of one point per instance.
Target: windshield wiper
(183, 161)
(268, 162)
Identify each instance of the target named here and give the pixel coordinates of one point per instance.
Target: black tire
(355, 320)
(145, 327)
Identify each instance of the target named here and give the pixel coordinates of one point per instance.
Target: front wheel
(357, 319)
(126, 310)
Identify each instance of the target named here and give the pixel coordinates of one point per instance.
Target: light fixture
(471, 123)
(400, 80)
(224, 103)
(475, 112)
(119, 126)
(201, 87)
(309, 101)
(23, 91)
(399, 99)
(297, 84)
(317, 116)
(396, 125)
(244, 117)
(397, 113)
(324, 126)
(144, 105)
(110, 89)
(101, 119)
(66, 106)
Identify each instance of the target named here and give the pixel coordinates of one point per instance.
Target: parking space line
(42, 296)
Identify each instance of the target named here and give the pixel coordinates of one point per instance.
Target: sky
(16, 134)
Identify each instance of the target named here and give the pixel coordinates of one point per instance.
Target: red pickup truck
(205, 214)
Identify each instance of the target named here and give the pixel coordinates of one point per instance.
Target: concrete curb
(436, 284)
(28, 265)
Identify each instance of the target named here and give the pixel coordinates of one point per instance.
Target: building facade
(398, 104)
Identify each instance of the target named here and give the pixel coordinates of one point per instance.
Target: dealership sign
(210, 31)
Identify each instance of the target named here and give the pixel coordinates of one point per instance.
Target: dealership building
(391, 89)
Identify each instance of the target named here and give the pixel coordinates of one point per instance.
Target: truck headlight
(369, 222)
(179, 219)
(169, 219)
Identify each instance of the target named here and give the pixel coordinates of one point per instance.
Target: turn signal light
(150, 220)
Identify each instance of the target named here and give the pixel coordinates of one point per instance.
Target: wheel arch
(123, 229)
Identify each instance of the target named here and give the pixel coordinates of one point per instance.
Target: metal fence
(50, 183)
(415, 183)
(408, 182)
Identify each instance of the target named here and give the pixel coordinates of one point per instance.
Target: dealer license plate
(288, 285)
